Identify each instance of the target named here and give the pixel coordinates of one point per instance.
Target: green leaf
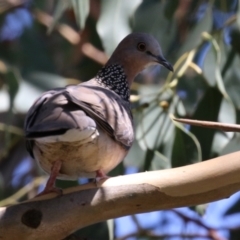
(118, 170)
(170, 8)
(45, 80)
(227, 113)
(135, 157)
(60, 8)
(110, 225)
(195, 35)
(150, 17)
(186, 148)
(238, 15)
(218, 76)
(66, 184)
(29, 90)
(160, 161)
(232, 81)
(148, 159)
(219, 142)
(208, 110)
(228, 64)
(155, 130)
(81, 9)
(12, 78)
(154, 127)
(232, 146)
(154, 160)
(35, 52)
(235, 37)
(193, 86)
(113, 24)
(209, 67)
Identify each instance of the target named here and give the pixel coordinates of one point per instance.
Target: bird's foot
(50, 186)
(50, 190)
(99, 176)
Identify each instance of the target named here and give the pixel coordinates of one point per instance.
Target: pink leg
(99, 176)
(50, 186)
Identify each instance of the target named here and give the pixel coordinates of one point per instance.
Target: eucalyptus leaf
(151, 130)
(117, 13)
(45, 80)
(232, 146)
(227, 113)
(195, 35)
(154, 160)
(151, 17)
(229, 61)
(135, 157)
(110, 225)
(12, 78)
(155, 131)
(218, 75)
(4, 100)
(232, 80)
(81, 9)
(208, 110)
(26, 96)
(61, 7)
(186, 148)
(220, 141)
(238, 16)
(160, 161)
(209, 67)
(190, 89)
(170, 8)
(235, 37)
(149, 155)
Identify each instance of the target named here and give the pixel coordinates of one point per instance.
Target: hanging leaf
(12, 79)
(81, 9)
(195, 35)
(151, 17)
(60, 8)
(117, 12)
(208, 110)
(232, 146)
(186, 148)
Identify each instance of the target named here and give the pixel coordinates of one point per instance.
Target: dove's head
(136, 52)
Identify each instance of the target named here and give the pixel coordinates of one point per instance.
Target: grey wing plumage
(109, 110)
(80, 106)
(53, 114)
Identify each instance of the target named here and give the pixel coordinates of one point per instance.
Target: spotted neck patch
(114, 78)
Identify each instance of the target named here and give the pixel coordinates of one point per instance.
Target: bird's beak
(161, 60)
(164, 63)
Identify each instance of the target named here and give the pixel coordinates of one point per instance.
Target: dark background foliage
(46, 44)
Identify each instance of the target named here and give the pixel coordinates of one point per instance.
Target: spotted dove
(86, 130)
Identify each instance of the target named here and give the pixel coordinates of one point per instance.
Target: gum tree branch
(51, 217)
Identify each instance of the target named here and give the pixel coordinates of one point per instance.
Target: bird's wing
(79, 107)
(110, 112)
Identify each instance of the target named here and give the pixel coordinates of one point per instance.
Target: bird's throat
(114, 78)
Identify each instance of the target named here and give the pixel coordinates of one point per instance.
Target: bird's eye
(141, 46)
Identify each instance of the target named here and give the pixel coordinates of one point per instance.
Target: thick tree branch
(51, 217)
